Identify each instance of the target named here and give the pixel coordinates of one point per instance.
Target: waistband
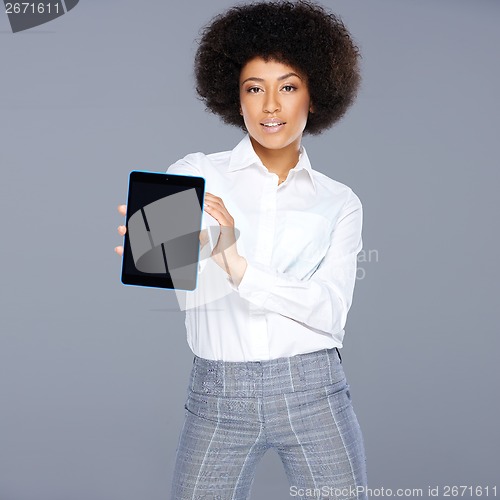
(268, 377)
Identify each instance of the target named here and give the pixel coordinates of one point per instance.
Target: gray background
(93, 374)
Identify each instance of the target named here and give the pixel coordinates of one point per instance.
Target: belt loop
(192, 378)
(338, 352)
(300, 366)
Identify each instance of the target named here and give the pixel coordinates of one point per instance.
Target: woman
(267, 372)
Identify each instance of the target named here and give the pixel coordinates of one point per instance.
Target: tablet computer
(161, 246)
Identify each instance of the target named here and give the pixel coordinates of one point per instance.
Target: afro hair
(301, 34)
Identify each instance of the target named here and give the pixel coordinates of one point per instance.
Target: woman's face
(275, 104)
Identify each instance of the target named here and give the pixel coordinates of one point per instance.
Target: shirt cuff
(256, 284)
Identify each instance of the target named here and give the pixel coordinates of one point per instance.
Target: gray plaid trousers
(300, 406)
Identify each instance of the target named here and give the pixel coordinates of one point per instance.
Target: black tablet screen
(161, 247)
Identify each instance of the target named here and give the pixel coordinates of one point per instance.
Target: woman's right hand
(123, 229)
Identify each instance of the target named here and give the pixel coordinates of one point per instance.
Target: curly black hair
(301, 34)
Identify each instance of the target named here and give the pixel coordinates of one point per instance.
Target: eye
(253, 90)
(289, 88)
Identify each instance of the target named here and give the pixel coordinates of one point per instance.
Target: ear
(241, 111)
(311, 108)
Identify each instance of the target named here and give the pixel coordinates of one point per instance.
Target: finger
(122, 209)
(122, 230)
(214, 200)
(119, 250)
(216, 203)
(219, 214)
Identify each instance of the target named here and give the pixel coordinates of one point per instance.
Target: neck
(278, 161)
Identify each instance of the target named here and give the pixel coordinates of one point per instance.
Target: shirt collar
(243, 155)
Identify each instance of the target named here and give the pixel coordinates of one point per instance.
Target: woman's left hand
(225, 253)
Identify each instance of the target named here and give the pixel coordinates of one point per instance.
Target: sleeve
(212, 282)
(186, 166)
(322, 301)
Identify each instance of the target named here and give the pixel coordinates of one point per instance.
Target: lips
(272, 123)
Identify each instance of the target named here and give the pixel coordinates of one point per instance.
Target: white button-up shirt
(300, 239)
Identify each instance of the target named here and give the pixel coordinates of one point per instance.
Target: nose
(271, 103)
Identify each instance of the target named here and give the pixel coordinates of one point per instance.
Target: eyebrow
(282, 77)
